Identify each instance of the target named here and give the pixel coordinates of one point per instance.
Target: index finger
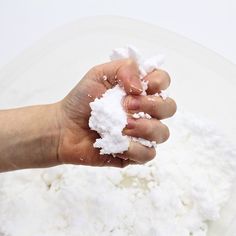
(157, 80)
(125, 72)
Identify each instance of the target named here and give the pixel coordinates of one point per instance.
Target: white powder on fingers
(144, 142)
(164, 94)
(144, 87)
(141, 115)
(108, 116)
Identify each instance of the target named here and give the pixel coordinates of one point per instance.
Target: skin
(54, 134)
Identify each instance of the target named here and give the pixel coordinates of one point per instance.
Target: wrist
(50, 135)
(29, 137)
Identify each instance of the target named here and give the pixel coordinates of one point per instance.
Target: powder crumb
(164, 94)
(89, 95)
(144, 142)
(119, 53)
(104, 77)
(144, 86)
(141, 115)
(136, 116)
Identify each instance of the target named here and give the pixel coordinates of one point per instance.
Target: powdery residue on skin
(163, 94)
(144, 142)
(141, 115)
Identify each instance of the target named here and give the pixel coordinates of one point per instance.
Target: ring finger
(150, 129)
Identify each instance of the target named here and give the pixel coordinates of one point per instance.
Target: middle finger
(153, 105)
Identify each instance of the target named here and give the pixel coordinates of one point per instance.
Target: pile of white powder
(176, 194)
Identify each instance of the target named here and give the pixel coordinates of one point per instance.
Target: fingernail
(135, 85)
(135, 89)
(131, 123)
(134, 103)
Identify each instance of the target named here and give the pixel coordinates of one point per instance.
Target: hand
(76, 139)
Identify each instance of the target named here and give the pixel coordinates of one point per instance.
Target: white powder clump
(141, 114)
(177, 194)
(153, 63)
(108, 117)
(164, 94)
(144, 142)
(146, 65)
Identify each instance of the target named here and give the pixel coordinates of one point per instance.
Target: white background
(211, 23)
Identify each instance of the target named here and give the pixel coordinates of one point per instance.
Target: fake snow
(108, 117)
(164, 94)
(176, 194)
(141, 115)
